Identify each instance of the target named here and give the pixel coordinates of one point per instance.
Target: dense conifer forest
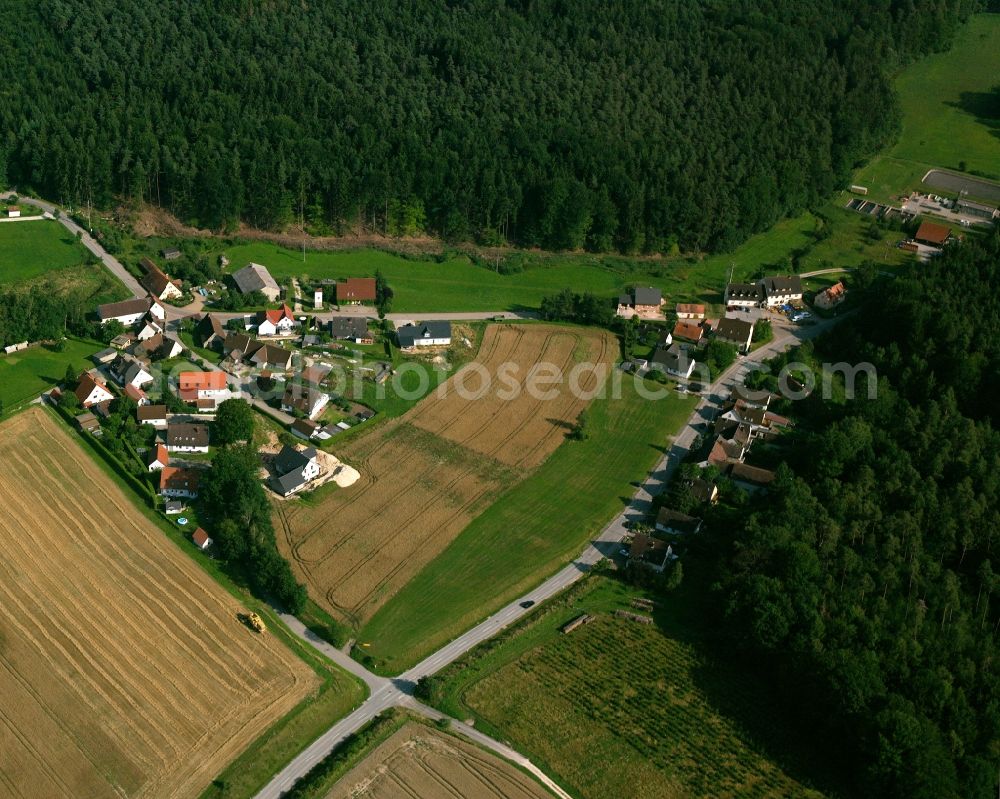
(865, 583)
(637, 126)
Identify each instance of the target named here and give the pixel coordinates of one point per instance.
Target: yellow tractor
(254, 622)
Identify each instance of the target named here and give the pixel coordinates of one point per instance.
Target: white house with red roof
(91, 391)
(278, 322)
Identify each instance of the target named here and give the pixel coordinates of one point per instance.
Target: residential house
(356, 290)
(170, 254)
(425, 334)
(279, 322)
(210, 332)
(210, 386)
(351, 328)
(179, 483)
(148, 329)
(782, 290)
(123, 341)
(726, 451)
(676, 523)
(254, 277)
(268, 356)
(158, 458)
(735, 331)
(137, 395)
(157, 348)
(744, 295)
(130, 312)
(91, 391)
(201, 539)
(187, 437)
(754, 398)
(104, 357)
(172, 507)
(643, 301)
(672, 360)
(685, 310)
(932, 234)
(88, 423)
(314, 375)
(304, 428)
(703, 490)
(831, 296)
(157, 283)
(153, 415)
(689, 330)
(306, 400)
(651, 553)
(128, 370)
(295, 469)
(752, 477)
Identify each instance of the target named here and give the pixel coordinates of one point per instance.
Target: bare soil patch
(421, 763)
(124, 670)
(428, 474)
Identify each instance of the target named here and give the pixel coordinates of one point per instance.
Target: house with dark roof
(157, 283)
(677, 523)
(187, 437)
(703, 490)
(351, 328)
(255, 277)
(752, 477)
(294, 470)
(308, 401)
(735, 331)
(744, 295)
(640, 301)
(782, 290)
(650, 553)
(673, 360)
(210, 332)
(424, 334)
(355, 290)
(130, 312)
(88, 423)
(91, 391)
(304, 428)
(153, 415)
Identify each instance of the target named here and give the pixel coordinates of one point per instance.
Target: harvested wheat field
(124, 671)
(421, 763)
(426, 475)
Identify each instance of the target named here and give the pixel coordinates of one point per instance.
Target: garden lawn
(529, 532)
(947, 116)
(24, 375)
(619, 708)
(29, 250)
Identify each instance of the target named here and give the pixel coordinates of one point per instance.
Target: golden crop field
(426, 475)
(421, 763)
(124, 671)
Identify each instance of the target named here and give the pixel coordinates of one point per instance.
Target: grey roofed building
(187, 435)
(744, 292)
(673, 360)
(738, 331)
(104, 356)
(113, 310)
(349, 327)
(254, 277)
(291, 482)
(290, 459)
(435, 331)
(642, 295)
(782, 286)
(209, 331)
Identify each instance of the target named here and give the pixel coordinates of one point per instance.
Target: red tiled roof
(275, 316)
(932, 232)
(179, 479)
(686, 307)
(691, 330)
(86, 385)
(159, 455)
(201, 381)
(200, 537)
(356, 289)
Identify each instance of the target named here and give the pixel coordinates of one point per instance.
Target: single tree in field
(70, 377)
(233, 422)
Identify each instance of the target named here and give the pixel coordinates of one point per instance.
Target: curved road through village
(386, 693)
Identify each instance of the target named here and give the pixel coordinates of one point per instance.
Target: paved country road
(397, 691)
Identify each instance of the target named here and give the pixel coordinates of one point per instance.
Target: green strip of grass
(26, 374)
(529, 532)
(669, 718)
